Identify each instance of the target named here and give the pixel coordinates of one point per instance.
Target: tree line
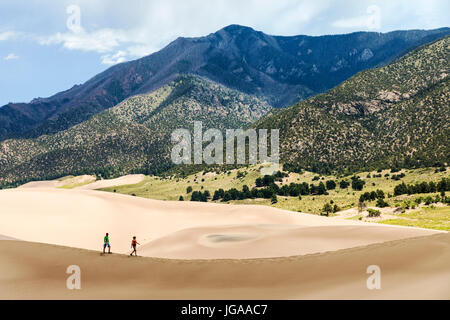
(266, 188)
(423, 187)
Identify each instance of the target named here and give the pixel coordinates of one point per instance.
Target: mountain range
(389, 117)
(133, 136)
(390, 110)
(281, 70)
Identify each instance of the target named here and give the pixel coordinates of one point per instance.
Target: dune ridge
(34, 270)
(2, 237)
(121, 181)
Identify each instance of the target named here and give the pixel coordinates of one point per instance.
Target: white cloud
(11, 56)
(371, 21)
(131, 52)
(293, 15)
(6, 35)
(154, 24)
(357, 22)
(118, 31)
(101, 41)
(118, 57)
(131, 44)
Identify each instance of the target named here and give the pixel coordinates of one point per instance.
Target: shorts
(134, 247)
(106, 245)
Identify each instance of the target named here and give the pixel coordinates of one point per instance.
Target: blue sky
(47, 47)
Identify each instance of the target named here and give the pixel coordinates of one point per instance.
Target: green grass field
(172, 188)
(431, 218)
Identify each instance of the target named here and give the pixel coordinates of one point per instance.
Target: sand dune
(80, 218)
(122, 181)
(90, 180)
(310, 256)
(42, 184)
(265, 241)
(414, 268)
(2, 237)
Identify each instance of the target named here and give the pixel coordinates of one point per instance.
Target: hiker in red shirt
(133, 245)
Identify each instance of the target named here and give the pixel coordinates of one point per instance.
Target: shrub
(226, 196)
(268, 180)
(218, 194)
(259, 182)
(331, 185)
(381, 203)
(344, 184)
(361, 206)
(373, 213)
(274, 199)
(189, 189)
(371, 196)
(357, 183)
(400, 189)
(380, 194)
(327, 208)
(196, 196)
(397, 177)
(200, 196)
(336, 208)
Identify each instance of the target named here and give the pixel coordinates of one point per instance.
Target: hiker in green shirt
(106, 243)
